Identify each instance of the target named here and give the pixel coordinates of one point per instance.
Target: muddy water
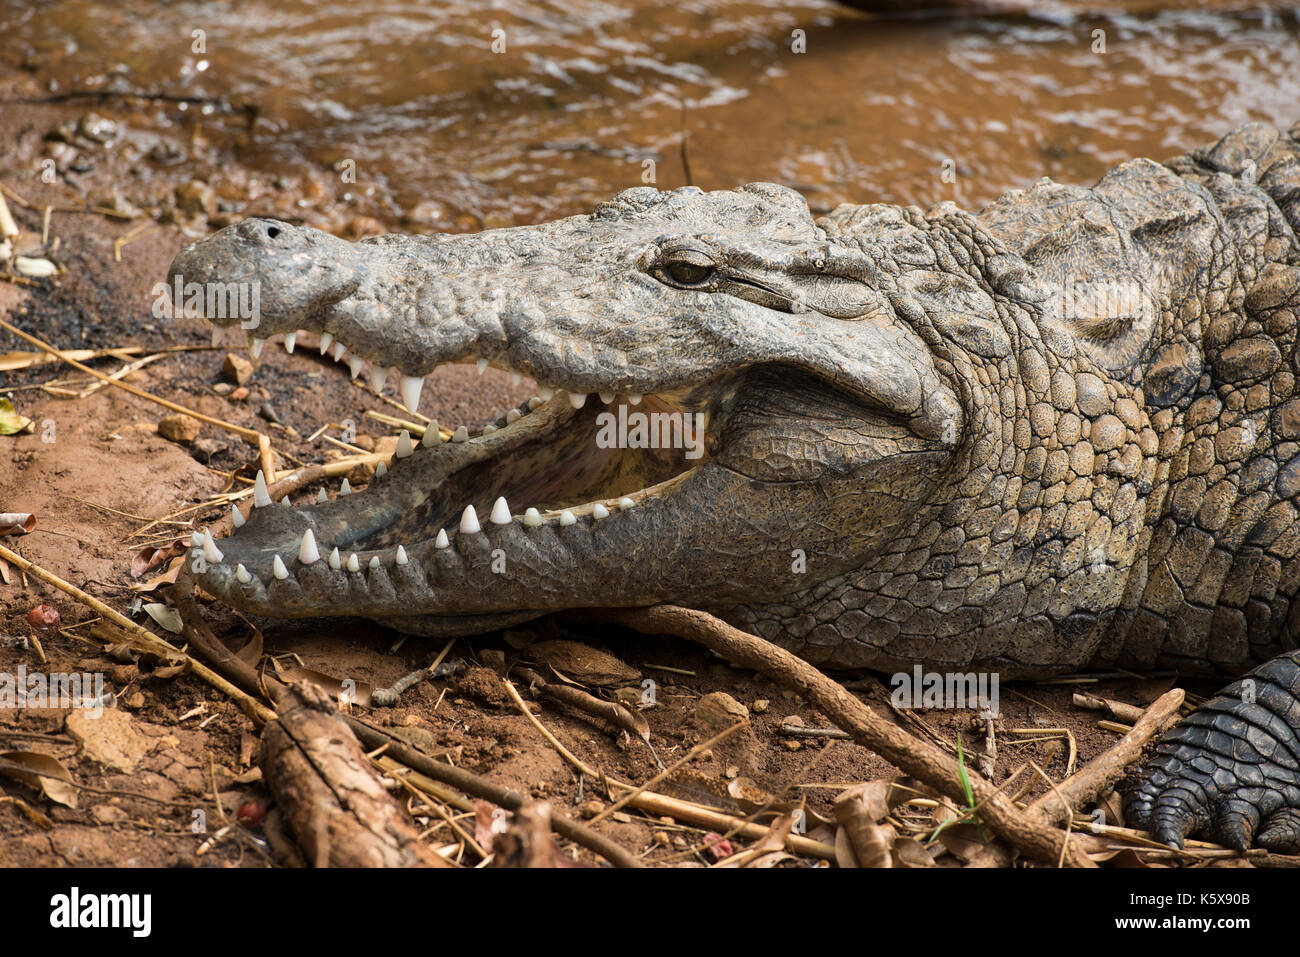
(517, 111)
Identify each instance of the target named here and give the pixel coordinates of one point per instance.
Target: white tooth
(381, 470)
(378, 376)
(278, 569)
(500, 512)
(321, 496)
(489, 429)
(355, 365)
(534, 402)
(236, 517)
(290, 341)
(481, 366)
(566, 518)
(599, 511)
(532, 518)
(401, 556)
(217, 335)
(625, 503)
(261, 497)
(441, 541)
(410, 388)
(308, 553)
(513, 416)
(353, 564)
(607, 397)
(334, 561)
(577, 400)
(374, 561)
(196, 540)
(210, 550)
(516, 377)
(431, 435)
(469, 521)
(285, 501)
(404, 446)
(461, 434)
(326, 340)
(255, 346)
(345, 488)
(241, 575)
(633, 398)
(545, 394)
(339, 349)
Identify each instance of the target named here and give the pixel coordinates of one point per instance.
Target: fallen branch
(1120, 709)
(15, 361)
(327, 792)
(918, 758)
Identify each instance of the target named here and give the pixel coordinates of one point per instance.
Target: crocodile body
(1063, 431)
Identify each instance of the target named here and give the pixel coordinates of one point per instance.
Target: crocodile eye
(687, 273)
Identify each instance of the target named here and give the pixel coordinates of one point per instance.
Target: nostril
(272, 232)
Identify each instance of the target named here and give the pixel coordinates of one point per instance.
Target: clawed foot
(1231, 771)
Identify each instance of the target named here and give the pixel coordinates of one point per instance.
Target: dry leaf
(251, 653)
(16, 523)
(844, 855)
(770, 845)
(859, 811)
(489, 821)
(871, 798)
(167, 617)
(11, 423)
(748, 795)
(41, 771)
(909, 852)
(167, 577)
(1113, 806)
(358, 692)
(151, 557)
(962, 841)
(165, 672)
(582, 663)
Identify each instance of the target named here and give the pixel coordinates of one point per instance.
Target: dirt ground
(181, 752)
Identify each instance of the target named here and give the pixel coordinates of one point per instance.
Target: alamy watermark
(1094, 299)
(954, 689)
(209, 300)
(75, 909)
(81, 690)
(651, 430)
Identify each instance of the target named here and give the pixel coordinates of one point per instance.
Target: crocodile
(1060, 432)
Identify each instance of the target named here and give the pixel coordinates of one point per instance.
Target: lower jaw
(690, 545)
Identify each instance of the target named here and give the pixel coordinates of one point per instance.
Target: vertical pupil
(687, 272)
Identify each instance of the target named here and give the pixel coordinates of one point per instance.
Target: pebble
(236, 369)
(180, 428)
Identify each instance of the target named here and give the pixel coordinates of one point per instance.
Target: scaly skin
(1060, 432)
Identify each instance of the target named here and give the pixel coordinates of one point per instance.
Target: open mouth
(544, 478)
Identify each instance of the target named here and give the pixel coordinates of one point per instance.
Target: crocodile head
(731, 406)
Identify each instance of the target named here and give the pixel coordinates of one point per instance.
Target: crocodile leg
(1231, 771)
